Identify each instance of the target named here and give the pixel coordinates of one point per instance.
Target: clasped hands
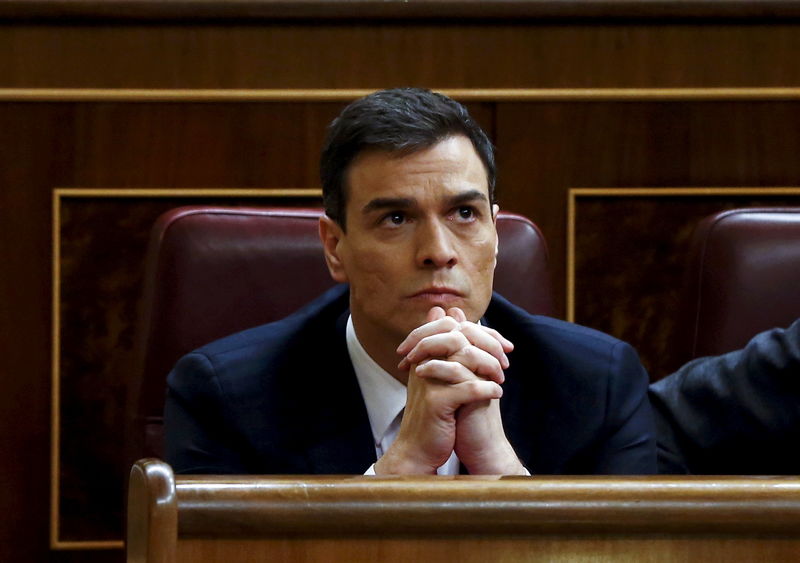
(455, 371)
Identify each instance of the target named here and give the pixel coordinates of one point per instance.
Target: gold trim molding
(55, 398)
(574, 193)
(343, 95)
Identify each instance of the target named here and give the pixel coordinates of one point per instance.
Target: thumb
(435, 314)
(457, 314)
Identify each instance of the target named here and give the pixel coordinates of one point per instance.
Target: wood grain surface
(254, 10)
(340, 518)
(385, 54)
(594, 549)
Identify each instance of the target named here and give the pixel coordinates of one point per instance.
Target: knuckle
(485, 359)
(462, 339)
(465, 351)
(441, 368)
(474, 386)
(417, 331)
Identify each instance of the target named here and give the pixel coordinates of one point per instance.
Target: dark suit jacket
(736, 414)
(282, 398)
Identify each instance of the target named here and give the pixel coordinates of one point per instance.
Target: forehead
(449, 165)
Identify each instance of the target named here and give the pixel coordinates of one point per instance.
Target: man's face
(420, 232)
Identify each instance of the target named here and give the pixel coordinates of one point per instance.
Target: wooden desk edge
(281, 506)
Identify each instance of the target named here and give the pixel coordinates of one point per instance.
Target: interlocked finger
(466, 364)
(487, 339)
(438, 346)
(440, 326)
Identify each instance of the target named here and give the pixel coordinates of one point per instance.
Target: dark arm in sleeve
(198, 438)
(738, 413)
(629, 443)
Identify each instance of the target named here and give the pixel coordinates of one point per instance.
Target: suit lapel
(339, 439)
(521, 406)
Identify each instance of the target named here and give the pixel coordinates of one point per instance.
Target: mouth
(438, 295)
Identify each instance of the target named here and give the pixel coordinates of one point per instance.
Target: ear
(495, 209)
(331, 234)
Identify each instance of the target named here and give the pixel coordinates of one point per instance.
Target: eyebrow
(468, 196)
(388, 203)
(380, 203)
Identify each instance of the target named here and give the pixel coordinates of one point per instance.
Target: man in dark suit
(738, 413)
(401, 370)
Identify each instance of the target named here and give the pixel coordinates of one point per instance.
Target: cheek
(372, 270)
(482, 275)
(483, 256)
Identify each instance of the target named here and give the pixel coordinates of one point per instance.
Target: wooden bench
(464, 518)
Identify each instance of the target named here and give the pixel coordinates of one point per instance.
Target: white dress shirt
(385, 398)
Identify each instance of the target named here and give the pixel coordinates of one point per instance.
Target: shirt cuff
(371, 471)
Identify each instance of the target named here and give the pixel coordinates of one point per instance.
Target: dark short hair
(403, 120)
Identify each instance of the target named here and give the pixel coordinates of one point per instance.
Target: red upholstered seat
(213, 271)
(743, 278)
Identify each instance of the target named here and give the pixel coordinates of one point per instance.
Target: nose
(435, 246)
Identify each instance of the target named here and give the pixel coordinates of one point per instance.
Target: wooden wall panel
(27, 157)
(630, 255)
(546, 148)
(204, 144)
(379, 54)
(198, 145)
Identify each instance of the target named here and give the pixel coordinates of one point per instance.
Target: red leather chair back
(743, 278)
(213, 271)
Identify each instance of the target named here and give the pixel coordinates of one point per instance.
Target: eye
(395, 218)
(466, 212)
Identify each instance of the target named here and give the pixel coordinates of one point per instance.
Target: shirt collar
(384, 396)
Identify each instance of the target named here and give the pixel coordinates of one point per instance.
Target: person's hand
(436, 390)
(438, 334)
(470, 352)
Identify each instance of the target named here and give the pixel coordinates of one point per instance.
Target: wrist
(500, 461)
(396, 462)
